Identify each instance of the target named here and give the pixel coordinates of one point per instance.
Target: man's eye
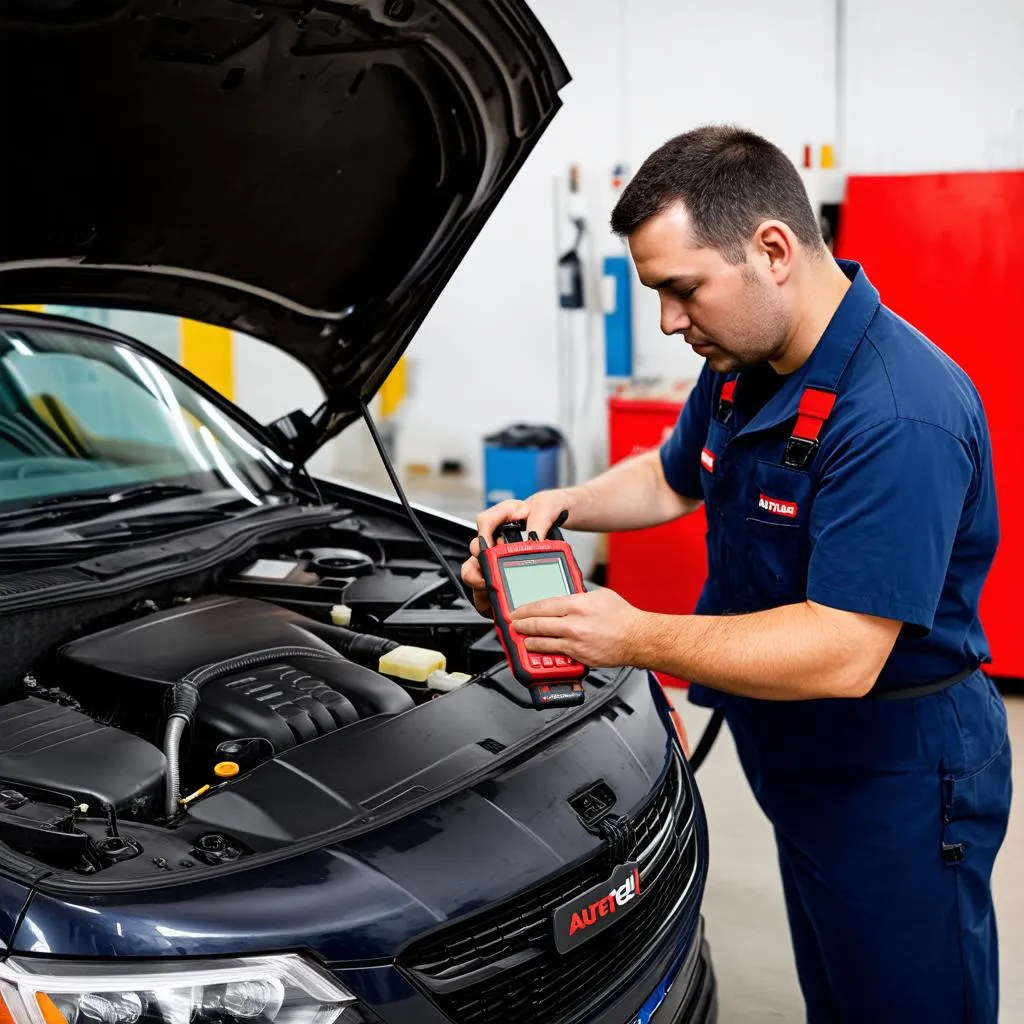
(687, 294)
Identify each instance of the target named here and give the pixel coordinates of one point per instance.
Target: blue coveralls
(888, 813)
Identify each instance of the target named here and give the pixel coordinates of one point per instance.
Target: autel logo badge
(593, 911)
(786, 509)
(619, 897)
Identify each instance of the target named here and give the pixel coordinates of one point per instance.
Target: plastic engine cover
(128, 672)
(56, 748)
(283, 703)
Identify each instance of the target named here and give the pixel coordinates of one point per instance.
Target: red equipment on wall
(944, 251)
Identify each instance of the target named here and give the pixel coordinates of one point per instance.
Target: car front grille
(502, 965)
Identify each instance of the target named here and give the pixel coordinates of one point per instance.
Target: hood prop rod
(413, 518)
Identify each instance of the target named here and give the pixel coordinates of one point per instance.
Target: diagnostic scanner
(518, 572)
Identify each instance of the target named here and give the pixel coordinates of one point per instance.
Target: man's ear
(776, 244)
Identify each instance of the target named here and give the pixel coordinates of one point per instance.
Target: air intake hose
(185, 699)
(359, 647)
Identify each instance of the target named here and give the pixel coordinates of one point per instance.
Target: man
(845, 471)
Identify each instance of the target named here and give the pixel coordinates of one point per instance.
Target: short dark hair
(729, 180)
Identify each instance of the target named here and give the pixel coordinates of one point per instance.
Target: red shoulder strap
(814, 409)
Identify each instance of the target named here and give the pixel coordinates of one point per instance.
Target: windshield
(79, 415)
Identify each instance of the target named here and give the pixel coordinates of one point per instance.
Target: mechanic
(844, 466)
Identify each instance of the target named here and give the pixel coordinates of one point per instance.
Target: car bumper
(689, 996)
(679, 989)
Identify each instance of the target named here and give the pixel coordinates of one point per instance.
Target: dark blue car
(260, 759)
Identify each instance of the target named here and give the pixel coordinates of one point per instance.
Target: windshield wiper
(19, 545)
(143, 492)
(65, 507)
(22, 548)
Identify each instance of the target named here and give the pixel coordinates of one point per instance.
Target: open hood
(310, 173)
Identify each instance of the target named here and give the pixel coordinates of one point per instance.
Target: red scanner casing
(530, 668)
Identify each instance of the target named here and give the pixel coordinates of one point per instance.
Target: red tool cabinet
(944, 251)
(660, 569)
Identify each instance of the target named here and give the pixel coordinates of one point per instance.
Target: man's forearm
(632, 495)
(795, 652)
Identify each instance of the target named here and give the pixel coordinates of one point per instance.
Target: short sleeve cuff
(679, 480)
(882, 606)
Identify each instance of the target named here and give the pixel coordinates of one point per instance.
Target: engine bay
(178, 731)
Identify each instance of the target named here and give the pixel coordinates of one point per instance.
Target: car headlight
(250, 990)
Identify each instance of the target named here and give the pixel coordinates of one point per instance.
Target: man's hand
(599, 628)
(540, 512)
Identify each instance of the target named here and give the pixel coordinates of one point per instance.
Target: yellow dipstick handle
(185, 800)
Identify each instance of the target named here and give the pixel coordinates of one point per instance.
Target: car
(260, 758)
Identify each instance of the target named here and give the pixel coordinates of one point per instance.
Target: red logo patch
(707, 460)
(786, 509)
(589, 913)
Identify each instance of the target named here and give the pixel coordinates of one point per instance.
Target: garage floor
(745, 915)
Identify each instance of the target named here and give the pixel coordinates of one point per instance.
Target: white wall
(933, 85)
(766, 67)
(499, 310)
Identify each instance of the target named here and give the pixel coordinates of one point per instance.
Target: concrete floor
(743, 906)
(745, 915)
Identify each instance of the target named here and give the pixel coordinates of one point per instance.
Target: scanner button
(549, 662)
(535, 661)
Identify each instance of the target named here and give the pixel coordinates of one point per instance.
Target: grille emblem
(591, 912)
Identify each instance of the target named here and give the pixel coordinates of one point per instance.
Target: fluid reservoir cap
(341, 615)
(225, 769)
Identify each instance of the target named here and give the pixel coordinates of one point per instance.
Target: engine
(286, 680)
(117, 732)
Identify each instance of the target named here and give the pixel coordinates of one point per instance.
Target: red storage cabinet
(944, 251)
(661, 569)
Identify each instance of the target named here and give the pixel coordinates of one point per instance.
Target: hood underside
(309, 174)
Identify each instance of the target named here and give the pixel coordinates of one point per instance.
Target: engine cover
(127, 673)
(57, 748)
(281, 703)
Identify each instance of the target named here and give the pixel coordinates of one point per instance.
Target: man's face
(731, 314)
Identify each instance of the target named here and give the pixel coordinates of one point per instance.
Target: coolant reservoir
(414, 664)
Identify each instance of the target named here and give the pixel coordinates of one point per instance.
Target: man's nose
(674, 317)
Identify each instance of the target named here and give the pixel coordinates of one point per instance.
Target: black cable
(413, 518)
(707, 740)
(312, 483)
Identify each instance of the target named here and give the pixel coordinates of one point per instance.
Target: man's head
(719, 223)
